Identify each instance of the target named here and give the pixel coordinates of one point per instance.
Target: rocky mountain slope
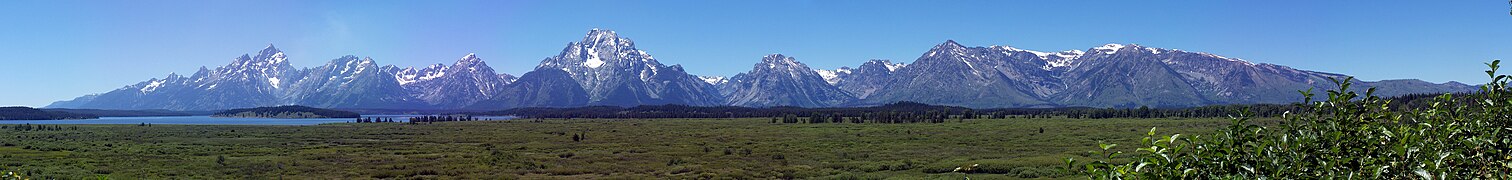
(780, 80)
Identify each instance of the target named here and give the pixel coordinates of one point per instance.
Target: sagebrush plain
(576, 149)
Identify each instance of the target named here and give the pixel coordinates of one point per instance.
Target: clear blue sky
(59, 49)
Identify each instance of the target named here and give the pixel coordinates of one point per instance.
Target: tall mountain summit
(614, 72)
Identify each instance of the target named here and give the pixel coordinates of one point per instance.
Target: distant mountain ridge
(780, 80)
(604, 69)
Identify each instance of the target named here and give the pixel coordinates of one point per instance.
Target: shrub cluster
(1347, 135)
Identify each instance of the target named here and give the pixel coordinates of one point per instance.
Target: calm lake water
(207, 120)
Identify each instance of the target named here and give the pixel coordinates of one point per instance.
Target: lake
(207, 120)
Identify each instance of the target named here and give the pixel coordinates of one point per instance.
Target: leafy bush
(8, 175)
(1346, 135)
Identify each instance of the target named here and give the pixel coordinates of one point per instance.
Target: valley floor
(616, 149)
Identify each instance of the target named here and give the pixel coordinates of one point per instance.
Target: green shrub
(1346, 135)
(9, 175)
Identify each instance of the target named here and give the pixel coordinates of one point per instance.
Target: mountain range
(604, 69)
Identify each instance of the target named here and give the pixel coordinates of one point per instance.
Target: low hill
(286, 112)
(127, 113)
(27, 113)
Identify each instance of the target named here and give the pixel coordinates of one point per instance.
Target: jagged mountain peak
(604, 38)
(597, 34)
(780, 80)
(271, 53)
(345, 59)
(267, 58)
(465, 82)
(775, 57)
(948, 50)
(597, 50)
(883, 64)
(783, 64)
(775, 60)
(471, 60)
(948, 45)
(469, 56)
(243, 57)
(614, 72)
(270, 48)
(351, 64)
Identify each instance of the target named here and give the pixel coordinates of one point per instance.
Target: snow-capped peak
(269, 49)
(596, 33)
(605, 38)
(949, 44)
(774, 60)
(1108, 48)
(471, 62)
(271, 53)
(885, 63)
(950, 48)
(470, 56)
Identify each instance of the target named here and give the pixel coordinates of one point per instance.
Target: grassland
(608, 149)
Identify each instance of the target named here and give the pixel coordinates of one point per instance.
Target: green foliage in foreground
(751, 148)
(1344, 136)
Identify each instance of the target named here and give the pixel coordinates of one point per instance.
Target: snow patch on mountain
(593, 59)
(412, 75)
(1153, 50)
(713, 80)
(1011, 49)
(1108, 48)
(1242, 61)
(833, 76)
(274, 81)
(1061, 59)
(895, 66)
(153, 85)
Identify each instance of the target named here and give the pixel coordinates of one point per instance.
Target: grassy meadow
(605, 149)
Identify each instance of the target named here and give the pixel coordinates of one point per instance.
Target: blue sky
(54, 50)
